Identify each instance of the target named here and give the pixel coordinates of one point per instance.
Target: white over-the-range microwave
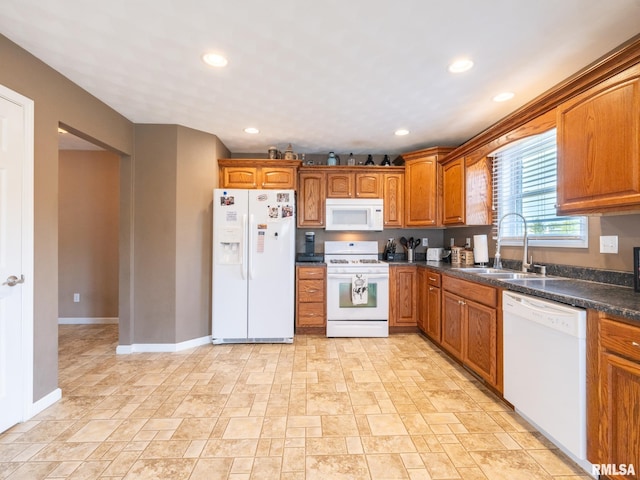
(354, 214)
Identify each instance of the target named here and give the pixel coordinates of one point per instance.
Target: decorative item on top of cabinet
(421, 205)
(311, 198)
(599, 147)
(310, 297)
(257, 173)
(403, 296)
(613, 392)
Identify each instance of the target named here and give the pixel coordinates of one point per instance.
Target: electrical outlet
(425, 242)
(76, 298)
(609, 244)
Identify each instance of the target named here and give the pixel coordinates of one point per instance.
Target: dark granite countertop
(614, 299)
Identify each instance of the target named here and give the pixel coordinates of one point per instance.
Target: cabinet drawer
(311, 309)
(310, 273)
(620, 338)
(477, 292)
(433, 278)
(311, 291)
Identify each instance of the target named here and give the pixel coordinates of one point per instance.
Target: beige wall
(175, 172)
(57, 100)
(88, 233)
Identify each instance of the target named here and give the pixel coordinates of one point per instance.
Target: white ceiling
(338, 75)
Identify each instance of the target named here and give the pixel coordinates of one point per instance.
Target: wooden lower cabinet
(471, 327)
(429, 303)
(613, 394)
(403, 295)
(311, 305)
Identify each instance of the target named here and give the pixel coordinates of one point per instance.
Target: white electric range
(357, 290)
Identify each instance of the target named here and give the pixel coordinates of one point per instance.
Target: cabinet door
(311, 195)
(281, 178)
(452, 323)
(368, 185)
(393, 194)
(403, 293)
(478, 192)
(453, 193)
(480, 346)
(620, 383)
(421, 208)
(599, 147)
(423, 299)
(433, 313)
(239, 177)
(339, 185)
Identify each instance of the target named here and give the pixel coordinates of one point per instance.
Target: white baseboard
(43, 403)
(162, 347)
(87, 320)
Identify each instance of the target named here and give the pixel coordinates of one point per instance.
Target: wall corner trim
(44, 402)
(162, 347)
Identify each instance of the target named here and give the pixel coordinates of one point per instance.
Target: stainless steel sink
(481, 270)
(510, 275)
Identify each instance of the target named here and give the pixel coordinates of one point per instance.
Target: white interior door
(13, 148)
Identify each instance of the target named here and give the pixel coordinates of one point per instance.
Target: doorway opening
(88, 231)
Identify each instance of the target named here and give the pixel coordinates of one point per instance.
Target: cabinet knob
(635, 344)
(461, 302)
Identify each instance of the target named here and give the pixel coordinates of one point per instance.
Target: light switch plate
(425, 242)
(608, 244)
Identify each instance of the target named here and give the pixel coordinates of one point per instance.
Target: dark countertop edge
(628, 306)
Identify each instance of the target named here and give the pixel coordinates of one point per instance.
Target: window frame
(573, 241)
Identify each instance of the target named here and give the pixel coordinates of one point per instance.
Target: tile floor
(329, 409)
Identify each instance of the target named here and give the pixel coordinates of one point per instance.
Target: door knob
(12, 281)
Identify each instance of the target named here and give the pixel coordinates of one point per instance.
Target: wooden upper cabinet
(368, 185)
(453, 192)
(340, 185)
(311, 198)
(350, 184)
(599, 147)
(393, 194)
(256, 173)
(478, 191)
(421, 187)
(238, 177)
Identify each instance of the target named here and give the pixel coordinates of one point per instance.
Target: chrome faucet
(497, 262)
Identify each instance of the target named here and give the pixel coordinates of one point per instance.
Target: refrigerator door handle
(245, 248)
(249, 248)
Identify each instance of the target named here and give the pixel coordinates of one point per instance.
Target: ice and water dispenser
(229, 248)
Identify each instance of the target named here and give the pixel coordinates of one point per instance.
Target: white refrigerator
(253, 266)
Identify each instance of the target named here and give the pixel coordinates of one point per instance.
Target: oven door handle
(369, 276)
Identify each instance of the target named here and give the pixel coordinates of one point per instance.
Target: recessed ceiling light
(401, 131)
(461, 65)
(215, 60)
(62, 130)
(503, 97)
(251, 130)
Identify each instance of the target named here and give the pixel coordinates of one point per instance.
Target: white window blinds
(524, 182)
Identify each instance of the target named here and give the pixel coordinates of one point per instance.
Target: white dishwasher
(544, 346)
